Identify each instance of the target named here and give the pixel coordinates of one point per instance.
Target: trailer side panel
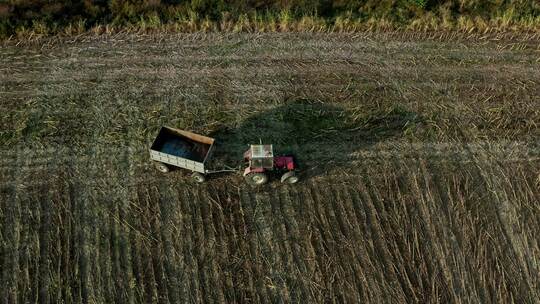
(177, 161)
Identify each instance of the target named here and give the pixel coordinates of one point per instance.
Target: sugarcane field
(371, 166)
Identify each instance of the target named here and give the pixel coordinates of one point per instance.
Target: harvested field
(419, 154)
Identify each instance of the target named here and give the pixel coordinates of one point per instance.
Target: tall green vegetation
(45, 17)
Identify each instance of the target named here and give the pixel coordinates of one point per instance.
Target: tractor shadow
(319, 135)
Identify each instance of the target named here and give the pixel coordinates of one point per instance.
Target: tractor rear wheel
(256, 179)
(289, 178)
(198, 177)
(161, 167)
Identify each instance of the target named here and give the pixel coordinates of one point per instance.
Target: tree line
(57, 14)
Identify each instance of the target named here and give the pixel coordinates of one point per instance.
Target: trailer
(183, 149)
(178, 148)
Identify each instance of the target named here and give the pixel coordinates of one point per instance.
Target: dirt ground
(419, 162)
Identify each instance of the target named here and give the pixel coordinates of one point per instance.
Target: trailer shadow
(316, 133)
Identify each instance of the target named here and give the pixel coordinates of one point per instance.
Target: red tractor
(261, 159)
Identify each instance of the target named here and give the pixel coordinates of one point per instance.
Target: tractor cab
(260, 156)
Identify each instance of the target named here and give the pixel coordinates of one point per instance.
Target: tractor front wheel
(256, 179)
(289, 178)
(198, 177)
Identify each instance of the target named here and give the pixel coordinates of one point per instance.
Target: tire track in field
(282, 242)
(240, 267)
(507, 216)
(140, 247)
(102, 234)
(40, 199)
(357, 221)
(302, 223)
(113, 255)
(239, 274)
(43, 200)
(138, 243)
(59, 234)
(117, 237)
(271, 240)
(110, 255)
(243, 233)
(401, 223)
(382, 253)
(157, 251)
(492, 248)
(97, 249)
(190, 247)
(292, 237)
(463, 286)
(259, 245)
(318, 241)
(392, 233)
(316, 245)
(268, 240)
(8, 238)
(135, 244)
(341, 236)
(30, 241)
(327, 247)
(251, 236)
(139, 251)
(256, 252)
(446, 243)
(29, 261)
(45, 204)
(81, 196)
(230, 262)
(525, 224)
(475, 229)
(526, 196)
(525, 242)
(167, 204)
(178, 241)
(222, 241)
(348, 228)
(439, 267)
(205, 248)
(331, 268)
(376, 278)
(154, 250)
(405, 226)
(126, 197)
(211, 234)
(359, 253)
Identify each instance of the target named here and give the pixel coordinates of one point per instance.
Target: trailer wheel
(162, 167)
(198, 177)
(256, 179)
(289, 178)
